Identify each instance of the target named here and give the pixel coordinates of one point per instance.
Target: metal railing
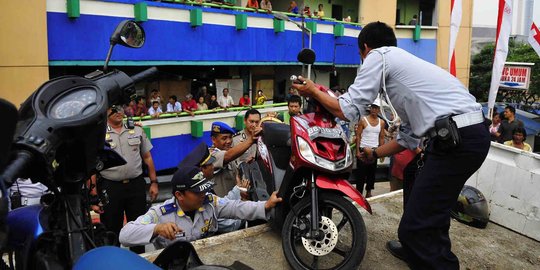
(216, 110)
(259, 10)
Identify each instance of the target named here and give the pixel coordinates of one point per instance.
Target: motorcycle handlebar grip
(143, 75)
(14, 169)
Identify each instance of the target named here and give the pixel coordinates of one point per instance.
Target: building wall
(171, 40)
(23, 49)
(376, 10)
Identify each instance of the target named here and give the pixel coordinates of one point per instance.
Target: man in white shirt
(370, 133)
(225, 101)
(155, 110)
(174, 105)
(433, 104)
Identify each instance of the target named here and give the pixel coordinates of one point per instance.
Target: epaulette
(237, 134)
(168, 208)
(209, 198)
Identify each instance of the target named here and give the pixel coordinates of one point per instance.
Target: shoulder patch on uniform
(146, 219)
(221, 201)
(168, 208)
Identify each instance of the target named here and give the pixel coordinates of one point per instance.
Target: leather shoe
(395, 248)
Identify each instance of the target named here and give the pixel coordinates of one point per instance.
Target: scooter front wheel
(343, 239)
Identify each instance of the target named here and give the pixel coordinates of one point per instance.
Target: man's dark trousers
(423, 230)
(124, 197)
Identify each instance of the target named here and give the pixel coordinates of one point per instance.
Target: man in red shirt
(244, 101)
(189, 105)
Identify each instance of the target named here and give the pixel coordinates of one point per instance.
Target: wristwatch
(153, 181)
(374, 153)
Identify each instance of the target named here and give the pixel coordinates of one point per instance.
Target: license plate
(331, 133)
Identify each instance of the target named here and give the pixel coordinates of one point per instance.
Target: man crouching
(191, 214)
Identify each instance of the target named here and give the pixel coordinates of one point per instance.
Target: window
(410, 12)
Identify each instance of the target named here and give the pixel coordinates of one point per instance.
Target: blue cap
(221, 128)
(191, 179)
(198, 157)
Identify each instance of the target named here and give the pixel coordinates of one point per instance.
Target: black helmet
(471, 208)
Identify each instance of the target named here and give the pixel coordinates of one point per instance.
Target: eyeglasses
(116, 109)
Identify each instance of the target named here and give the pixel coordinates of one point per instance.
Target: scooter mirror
(306, 56)
(129, 34)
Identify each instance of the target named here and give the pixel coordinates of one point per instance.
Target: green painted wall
(350, 7)
(407, 9)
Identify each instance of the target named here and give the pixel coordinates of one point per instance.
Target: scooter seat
(277, 134)
(277, 138)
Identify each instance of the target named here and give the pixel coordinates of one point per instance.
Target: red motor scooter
(308, 163)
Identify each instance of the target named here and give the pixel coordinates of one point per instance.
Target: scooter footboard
(345, 187)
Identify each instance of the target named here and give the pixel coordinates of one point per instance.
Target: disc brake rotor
(327, 244)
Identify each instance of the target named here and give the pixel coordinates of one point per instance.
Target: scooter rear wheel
(343, 245)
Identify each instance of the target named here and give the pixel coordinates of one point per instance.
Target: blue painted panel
(169, 151)
(86, 39)
(424, 48)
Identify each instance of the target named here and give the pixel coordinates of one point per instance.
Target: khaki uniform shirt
(131, 144)
(204, 223)
(224, 174)
(241, 137)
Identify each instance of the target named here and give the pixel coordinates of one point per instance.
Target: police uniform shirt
(131, 144)
(204, 223)
(224, 175)
(241, 137)
(418, 99)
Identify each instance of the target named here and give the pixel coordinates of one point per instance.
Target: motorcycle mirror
(127, 33)
(306, 56)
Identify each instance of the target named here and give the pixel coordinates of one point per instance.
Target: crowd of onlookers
(508, 130)
(266, 6)
(156, 105)
(372, 131)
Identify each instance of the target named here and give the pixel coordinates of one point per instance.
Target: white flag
(455, 22)
(504, 26)
(534, 38)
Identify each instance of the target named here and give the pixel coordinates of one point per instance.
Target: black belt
(461, 120)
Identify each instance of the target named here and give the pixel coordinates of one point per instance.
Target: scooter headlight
(348, 157)
(306, 151)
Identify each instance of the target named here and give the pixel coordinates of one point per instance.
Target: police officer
(252, 121)
(200, 157)
(191, 214)
(224, 171)
(125, 185)
(431, 103)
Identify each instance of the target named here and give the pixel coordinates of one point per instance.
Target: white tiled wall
(510, 180)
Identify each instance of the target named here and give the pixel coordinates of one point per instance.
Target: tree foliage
(481, 68)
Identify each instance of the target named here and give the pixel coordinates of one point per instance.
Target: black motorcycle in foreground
(59, 141)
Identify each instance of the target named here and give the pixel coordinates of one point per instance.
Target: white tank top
(370, 134)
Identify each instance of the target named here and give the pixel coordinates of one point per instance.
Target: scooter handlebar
(143, 75)
(16, 167)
